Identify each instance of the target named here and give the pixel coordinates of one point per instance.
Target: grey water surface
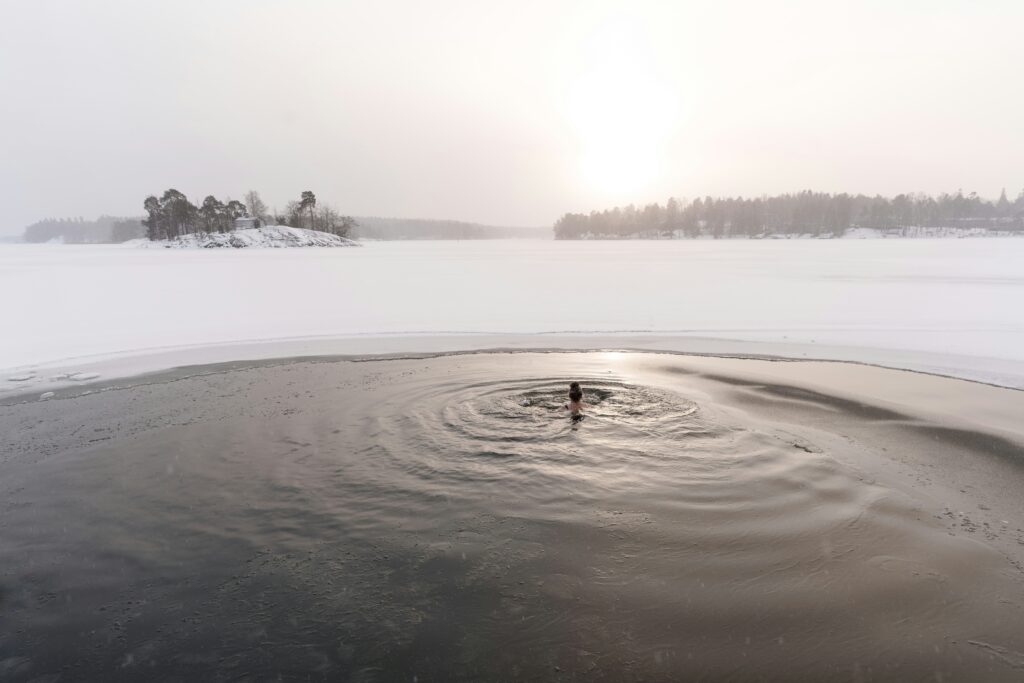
(442, 519)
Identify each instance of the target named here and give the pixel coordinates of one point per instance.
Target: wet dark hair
(575, 392)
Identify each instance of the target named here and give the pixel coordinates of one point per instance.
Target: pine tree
(672, 216)
(232, 211)
(154, 223)
(179, 214)
(308, 203)
(212, 213)
(1003, 205)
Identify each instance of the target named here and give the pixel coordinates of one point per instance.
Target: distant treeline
(103, 230)
(804, 213)
(173, 215)
(422, 229)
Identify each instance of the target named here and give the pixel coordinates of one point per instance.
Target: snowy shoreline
(44, 381)
(949, 308)
(908, 233)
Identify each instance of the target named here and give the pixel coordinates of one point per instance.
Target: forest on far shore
(803, 213)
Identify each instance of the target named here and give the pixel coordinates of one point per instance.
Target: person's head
(575, 392)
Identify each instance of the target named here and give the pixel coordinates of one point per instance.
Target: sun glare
(621, 115)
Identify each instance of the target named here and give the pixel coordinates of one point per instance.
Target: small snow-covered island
(174, 222)
(265, 236)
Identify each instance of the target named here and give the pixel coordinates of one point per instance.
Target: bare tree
(257, 209)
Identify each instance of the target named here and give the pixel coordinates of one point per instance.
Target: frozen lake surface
(947, 306)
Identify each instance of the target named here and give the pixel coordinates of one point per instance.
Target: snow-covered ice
(82, 376)
(947, 306)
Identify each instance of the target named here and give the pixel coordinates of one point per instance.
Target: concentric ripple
(443, 519)
(527, 411)
(508, 445)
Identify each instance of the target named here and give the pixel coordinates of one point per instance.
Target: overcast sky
(509, 113)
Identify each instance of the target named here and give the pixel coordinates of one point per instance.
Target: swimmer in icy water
(575, 404)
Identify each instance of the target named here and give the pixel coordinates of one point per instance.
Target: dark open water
(443, 520)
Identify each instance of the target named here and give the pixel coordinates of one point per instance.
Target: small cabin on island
(247, 222)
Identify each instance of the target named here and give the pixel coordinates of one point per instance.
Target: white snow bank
(913, 232)
(924, 233)
(270, 236)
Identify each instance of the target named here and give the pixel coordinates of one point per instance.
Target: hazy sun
(621, 115)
